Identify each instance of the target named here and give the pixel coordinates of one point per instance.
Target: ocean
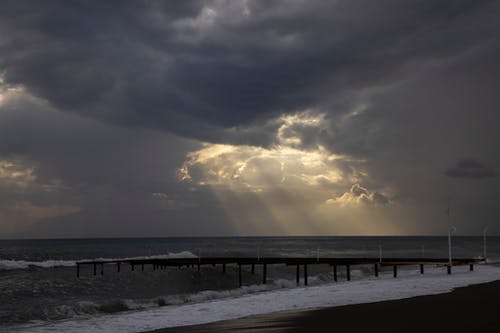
(39, 287)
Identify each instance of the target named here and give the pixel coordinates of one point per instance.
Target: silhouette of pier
(241, 262)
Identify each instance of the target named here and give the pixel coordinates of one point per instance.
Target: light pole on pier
(485, 254)
(451, 230)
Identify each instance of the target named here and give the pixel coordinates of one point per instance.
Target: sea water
(39, 287)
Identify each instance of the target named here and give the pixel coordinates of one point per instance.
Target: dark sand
(469, 309)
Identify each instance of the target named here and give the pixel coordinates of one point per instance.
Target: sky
(249, 118)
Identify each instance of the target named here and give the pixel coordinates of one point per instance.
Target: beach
(466, 309)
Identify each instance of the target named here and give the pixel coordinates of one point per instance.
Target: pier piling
(421, 268)
(375, 269)
(297, 274)
(305, 274)
(395, 271)
(348, 272)
(335, 273)
(264, 273)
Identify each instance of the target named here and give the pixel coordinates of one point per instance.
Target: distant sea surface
(38, 280)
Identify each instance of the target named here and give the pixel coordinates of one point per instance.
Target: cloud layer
(323, 117)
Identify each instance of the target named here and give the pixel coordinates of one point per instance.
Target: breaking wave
(86, 307)
(24, 264)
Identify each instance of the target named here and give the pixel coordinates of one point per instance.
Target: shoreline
(465, 309)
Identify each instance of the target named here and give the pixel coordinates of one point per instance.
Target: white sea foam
(408, 284)
(177, 255)
(23, 264)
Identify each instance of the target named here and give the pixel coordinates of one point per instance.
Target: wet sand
(468, 309)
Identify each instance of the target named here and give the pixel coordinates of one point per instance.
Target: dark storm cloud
(196, 67)
(470, 169)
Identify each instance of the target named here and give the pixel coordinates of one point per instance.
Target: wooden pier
(298, 262)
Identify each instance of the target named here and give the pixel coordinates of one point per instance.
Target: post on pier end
(305, 274)
(264, 273)
(297, 274)
(471, 267)
(335, 273)
(395, 271)
(421, 268)
(448, 269)
(348, 272)
(375, 269)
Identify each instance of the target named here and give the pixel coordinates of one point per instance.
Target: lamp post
(451, 229)
(485, 254)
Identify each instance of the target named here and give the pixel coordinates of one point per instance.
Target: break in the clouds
(247, 117)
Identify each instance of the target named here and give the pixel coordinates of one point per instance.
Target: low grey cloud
(58, 167)
(470, 169)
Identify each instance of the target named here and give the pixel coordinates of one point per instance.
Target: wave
(7, 264)
(176, 255)
(23, 264)
(86, 308)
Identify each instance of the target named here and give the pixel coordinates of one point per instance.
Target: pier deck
(162, 263)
